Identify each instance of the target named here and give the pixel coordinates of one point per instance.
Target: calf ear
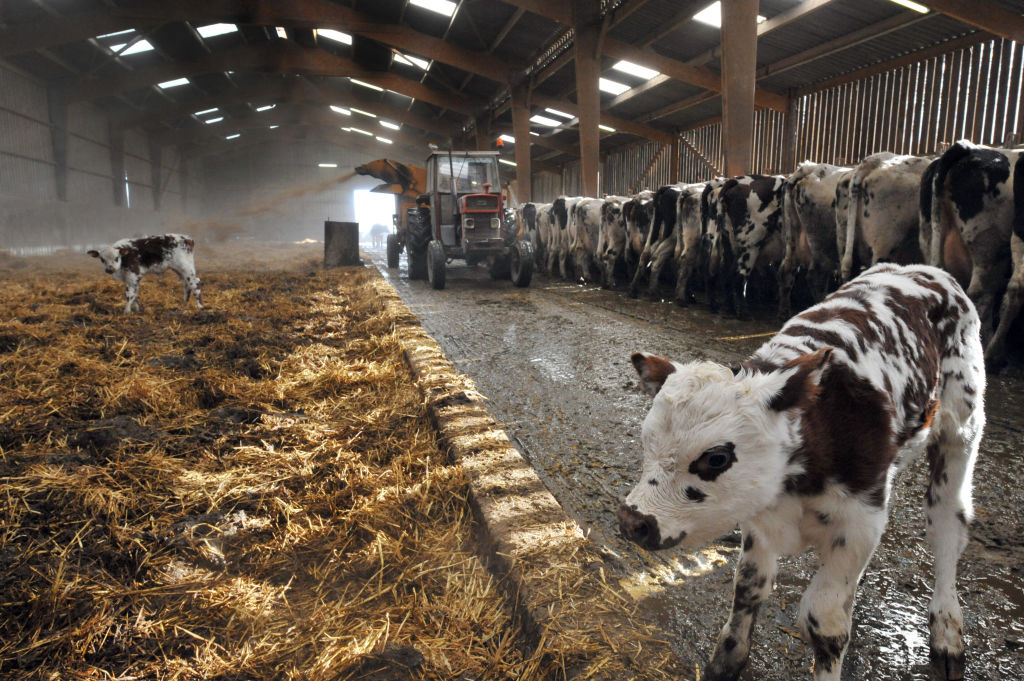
(801, 384)
(653, 371)
(94, 254)
(122, 250)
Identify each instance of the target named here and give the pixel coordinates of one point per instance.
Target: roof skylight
(390, 125)
(140, 46)
(507, 138)
(612, 86)
(556, 112)
(327, 165)
(266, 107)
(211, 30)
(365, 84)
(385, 140)
(712, 15)
(116, 33)
(635, 70)
(606, 128)
(544, 120)
(173, 83)
(911, 5)
(231, 137)
(444, 7)
(336, 36)
(218, 119)
(342, 110)
(506, 161)
(360, 111)
(206, 111)
(411, 61)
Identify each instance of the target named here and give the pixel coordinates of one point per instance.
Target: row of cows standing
(963, 211)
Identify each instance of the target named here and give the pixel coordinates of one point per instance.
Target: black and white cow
(748, 213)
(637, 212)
(660, 244)
(972, 203)
(611, 241)
(799, 446)
(689, 226)
(809, 230)
(584, 232)
(129, 259)
(561, 212)
(529, 216)
(880, 223)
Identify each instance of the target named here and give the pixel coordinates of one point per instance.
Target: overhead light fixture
(605, 128)
(173, 83)
(341, 110)
(365, 113)
(635, 70)
(206, 111)
(267, 107)
(327, 165)
(444, 7)
(272, 126)
(140, 46)
(535, 134)
(218, 119)
(361, 132)
(231, 137)
(506, 161)
(544, 120)
(365, 84)
(336, 36)
(385, 140)
(390, 125)
(211, 30)
(507, 138)
(116, 33)
(911, 5)
(281, 33)
(612, 86)
(712, 15)
(411, 61)
(558, 113)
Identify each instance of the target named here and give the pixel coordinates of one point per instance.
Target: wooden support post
(587, 44)
(521, 131)
(117, 166)
(673, 162)
(483, 132)
(57, 107)
(789, 137)
(155, 170)
(739, 64)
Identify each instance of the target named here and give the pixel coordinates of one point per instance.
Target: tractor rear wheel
(521, 263)
(436, 260)
(394, 249)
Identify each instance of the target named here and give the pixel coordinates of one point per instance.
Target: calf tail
(853, 211)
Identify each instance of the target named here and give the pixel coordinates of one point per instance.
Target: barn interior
(124, 118)
(257, 489)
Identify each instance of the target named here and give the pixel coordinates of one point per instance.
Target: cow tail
(925, 234)
(939, 216)
(790, 219)
(1018, 197)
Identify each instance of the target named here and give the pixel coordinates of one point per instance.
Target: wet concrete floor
(553, 359)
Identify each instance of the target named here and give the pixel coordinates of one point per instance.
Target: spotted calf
(129, 259)
(799, 446)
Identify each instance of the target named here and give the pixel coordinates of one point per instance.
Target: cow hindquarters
(755, 578)
(995, 352)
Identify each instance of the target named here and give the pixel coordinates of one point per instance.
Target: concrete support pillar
(587, 48)
(117, 166)
(155, 170)
(57, 107)
(739, 64)
(521, 131)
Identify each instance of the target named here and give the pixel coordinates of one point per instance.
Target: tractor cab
(462, 216)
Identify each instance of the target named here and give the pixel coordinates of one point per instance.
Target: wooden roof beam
(620, 124)
(984, 14)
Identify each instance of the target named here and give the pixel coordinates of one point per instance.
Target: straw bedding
(251, 490)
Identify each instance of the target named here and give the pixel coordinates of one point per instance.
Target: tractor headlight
(495, 223)
(468, 223)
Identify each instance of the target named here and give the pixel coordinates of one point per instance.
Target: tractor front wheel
(436, 260)
(499, 267)
(394, 249)
(521, 263)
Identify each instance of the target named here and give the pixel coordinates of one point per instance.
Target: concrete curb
(533, 546)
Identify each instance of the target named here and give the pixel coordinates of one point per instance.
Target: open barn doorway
(373, 211)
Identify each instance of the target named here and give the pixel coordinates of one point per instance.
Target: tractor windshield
(470, 174)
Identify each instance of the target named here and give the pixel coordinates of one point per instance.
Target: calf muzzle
(639, 528)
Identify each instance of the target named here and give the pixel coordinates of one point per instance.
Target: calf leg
(755, 578)
(131, 295)
(826, 608)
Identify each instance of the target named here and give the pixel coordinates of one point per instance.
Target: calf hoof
(946, 666)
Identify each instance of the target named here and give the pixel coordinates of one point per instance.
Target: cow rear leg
(638, 275)
(995, 352)
(826, 609)
(948, 511)
(755, 578)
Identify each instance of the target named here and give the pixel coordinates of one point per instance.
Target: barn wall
(32, 216)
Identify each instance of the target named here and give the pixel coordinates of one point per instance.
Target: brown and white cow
(880, 222)
(809, 230)
(129, 259)
(970, 202)
(800, 444)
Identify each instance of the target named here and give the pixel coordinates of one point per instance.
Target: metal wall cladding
(23, 178)
(22, 95)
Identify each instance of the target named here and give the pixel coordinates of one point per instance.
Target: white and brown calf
(129, 259)
(799, 446)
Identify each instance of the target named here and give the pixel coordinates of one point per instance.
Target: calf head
(717, 445)
(110, 257)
